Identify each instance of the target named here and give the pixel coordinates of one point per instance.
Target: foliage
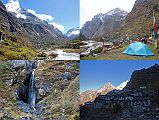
(12, 50)
(74, 117)
(42, 54)
(5, 67)
(98, 50)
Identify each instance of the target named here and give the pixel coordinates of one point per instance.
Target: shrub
(42, 54)
(98, 50)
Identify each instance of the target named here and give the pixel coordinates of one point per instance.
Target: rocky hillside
(91, 95)
(57, 92)
(145, 78)
(40, 32)
(104, 23)
(23, 32)
(16, 44)
(140, 20)
(139, 100)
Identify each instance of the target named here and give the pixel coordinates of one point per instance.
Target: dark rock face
(148, 78)
(104, 23)
(22, 92)
(138, 101)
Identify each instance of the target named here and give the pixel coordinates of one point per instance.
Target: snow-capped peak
(117, 11)
(72, 33)
(76, 32)
(122, 85)
(107, 86)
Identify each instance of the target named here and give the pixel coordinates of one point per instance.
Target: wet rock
(41, 92)
(25, 118)
(52, 55)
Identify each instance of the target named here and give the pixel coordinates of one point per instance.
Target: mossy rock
(74, 117)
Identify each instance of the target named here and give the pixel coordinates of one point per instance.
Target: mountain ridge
(90, 95)
(103, 23)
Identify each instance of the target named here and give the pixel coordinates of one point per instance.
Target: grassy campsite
(116, 54)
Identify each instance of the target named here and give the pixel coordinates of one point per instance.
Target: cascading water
(32, 92)
(26, 94)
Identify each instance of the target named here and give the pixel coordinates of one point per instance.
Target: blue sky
(64, 12)
(95, 73)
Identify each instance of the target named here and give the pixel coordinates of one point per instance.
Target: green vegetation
(42, 54)
(74, 117)
(98, 50)
(5, 67)
(11, 49)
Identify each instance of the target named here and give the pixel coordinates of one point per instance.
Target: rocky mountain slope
(16, 44)
(57, 92)
(104, 23)
(139, 100)
(40, 32)
(137, 23)
(91, 95)
(145, 78)
(24, 32)
(140, 19)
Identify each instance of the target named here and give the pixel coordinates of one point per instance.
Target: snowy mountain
(122, 85)
(117, 11)
(37, 27)
(107, 87)
(90, 95)
(104, 23)
(73, 33)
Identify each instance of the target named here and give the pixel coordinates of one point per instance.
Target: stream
(90, 46)
(64, 55)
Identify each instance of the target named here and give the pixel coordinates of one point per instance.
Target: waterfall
(32, 92)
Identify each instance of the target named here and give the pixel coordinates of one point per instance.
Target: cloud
(13, 6)
(19, 15)
(41, 16)
(58, 26)
(90, 8)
